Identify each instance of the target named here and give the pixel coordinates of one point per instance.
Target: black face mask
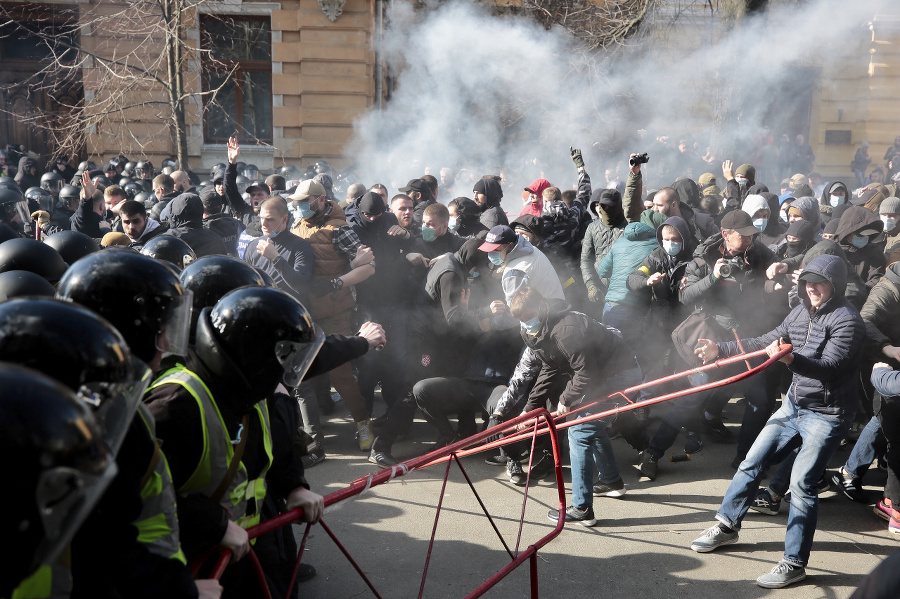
(795, 248)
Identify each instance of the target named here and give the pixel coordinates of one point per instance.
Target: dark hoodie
(828, 344)
(667, 311)
(468, 218)
(24, 177)
(390, 287)
(825, 206)
(868, 261)
(491, 212)
(186, 223)
(689, 196)
(856, 290)
(773, 235)
(880, 315)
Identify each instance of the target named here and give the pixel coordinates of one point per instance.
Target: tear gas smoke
(502, 95)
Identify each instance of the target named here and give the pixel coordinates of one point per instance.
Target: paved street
(640, 548)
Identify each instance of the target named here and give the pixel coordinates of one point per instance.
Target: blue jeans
(870, 442)
(817, 436)
(630, 322)
(590, 450)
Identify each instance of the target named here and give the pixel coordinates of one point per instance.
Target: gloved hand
(321, 287)
(594, 293)
(576, 157)
(41, 216)
(493, 421)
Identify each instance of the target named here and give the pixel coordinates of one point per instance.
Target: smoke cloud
(491, 94)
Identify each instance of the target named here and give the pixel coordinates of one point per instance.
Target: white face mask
(837, 200)
(890, 223)
(742, 181)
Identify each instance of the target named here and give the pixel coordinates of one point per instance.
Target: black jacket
(575, 350)
(226, 227)
(293, 268)
(186, 223)
(828, 345)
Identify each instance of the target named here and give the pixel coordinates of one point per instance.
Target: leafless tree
(132, 59)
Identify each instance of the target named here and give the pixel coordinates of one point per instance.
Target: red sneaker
(883, 509)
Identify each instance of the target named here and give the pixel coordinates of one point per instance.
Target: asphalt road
(640, 548)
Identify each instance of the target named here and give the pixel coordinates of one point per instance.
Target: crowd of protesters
(237, 303)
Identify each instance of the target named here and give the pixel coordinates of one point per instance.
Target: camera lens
(725, 270)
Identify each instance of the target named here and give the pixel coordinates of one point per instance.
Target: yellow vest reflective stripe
(158, 523)
(48, 582)
(243, 497)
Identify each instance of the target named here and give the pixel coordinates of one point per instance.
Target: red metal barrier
(387, 474)
(459, 449)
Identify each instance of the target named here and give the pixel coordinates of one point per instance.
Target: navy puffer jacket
(828, 345)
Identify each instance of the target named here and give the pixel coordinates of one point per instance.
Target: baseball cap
(307, 189)
(812, 277)
(798, 181)
(499, 235)
(416, 185)
(258, 187)
(740, 221)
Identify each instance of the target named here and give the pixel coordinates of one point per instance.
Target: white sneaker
(712, 538)
(364, 434)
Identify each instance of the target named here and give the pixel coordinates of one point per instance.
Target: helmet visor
(20, 209)
(114, 404)
(175, 331)
(52, 185)
(65, 497)
(295, 358)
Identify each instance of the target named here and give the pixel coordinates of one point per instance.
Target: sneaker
(765, 504)
(312, 458)
(823, 485)
(613, 489)
(716, 429)
(883, 509)
(515, 473)
(496, 460)
(648, 464)
(846, 484)
(544, 466)
(585, 516)
(894, 522)
(364, 434)
(783, 574)
(693, 443)
(381, 454)
(712, 538)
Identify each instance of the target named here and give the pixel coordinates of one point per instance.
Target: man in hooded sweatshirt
(859, 235)
(533, 197)
(186, 223)
(27, 175)
(609, 225)
(773, 235)
(827, 334)
(889, 213)
(833, 195)
(738, 182)
(465, 218)
(487, 194)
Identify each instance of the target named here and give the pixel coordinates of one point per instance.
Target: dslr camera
(732, 265)
(639, 159)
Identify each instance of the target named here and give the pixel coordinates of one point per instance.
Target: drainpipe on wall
(379, 53)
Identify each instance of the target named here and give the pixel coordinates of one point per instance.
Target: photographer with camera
(725, 280)
(632, 202)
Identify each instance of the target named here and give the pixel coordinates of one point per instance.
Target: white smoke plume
(463, 74)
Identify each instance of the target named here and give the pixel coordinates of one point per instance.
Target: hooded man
(533, 196)
(186, 223)
(609, 225)
(487, 194)
(859, 235)
(465, 218)
(833, 195)
(223, 225)
(806, 208)
(827, 334)
(773, 235)
(889, 213)
(738, 182)
(27, 175)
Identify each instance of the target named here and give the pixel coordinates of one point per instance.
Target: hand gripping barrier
(450, 454)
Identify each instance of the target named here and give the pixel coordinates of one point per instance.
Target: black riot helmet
(133, 189)
(140, 296)
(322, 166)
(143, 169)
(13, 205)
(171, 249)
(81, 350)
(33, 256)
(268, 280)
(72, 245)
(52, 182)
(251, 171)
(21, 283)
(170, 163)
(60, 466)
(264, 334)
(41, 197)
(129, 169)
(242, 183)
(289, 172)
(102, 182)
(219, 166)
(68, 194)
(211, 277)
(123, 181)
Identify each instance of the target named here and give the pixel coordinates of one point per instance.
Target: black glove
(321, 287)
(493, 421)
(576, 157)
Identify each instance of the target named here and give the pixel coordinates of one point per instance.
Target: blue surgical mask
(836, 200)
(474, 274)
(428, 234)
(533, 326)
(673, 248)
(859, 241)
(302, 210)
(760, 223)
(496, 257)
(454, 224)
